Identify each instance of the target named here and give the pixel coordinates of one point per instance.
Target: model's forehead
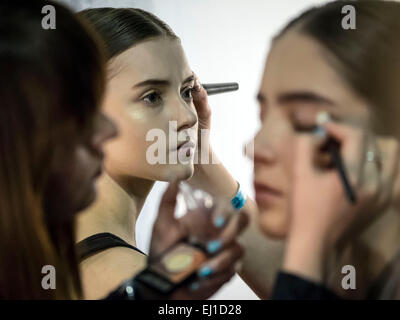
(158, 58)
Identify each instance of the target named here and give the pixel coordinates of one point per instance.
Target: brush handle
(215, 88)
(333, 147)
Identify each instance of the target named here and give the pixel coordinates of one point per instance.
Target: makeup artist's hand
(224, 251)
(211, 175)
(321, 214)
(200, 100)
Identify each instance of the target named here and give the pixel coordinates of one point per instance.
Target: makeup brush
(215, 88)
(333, 147)
(334, 150)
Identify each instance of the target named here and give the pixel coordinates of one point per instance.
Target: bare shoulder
(104, 271)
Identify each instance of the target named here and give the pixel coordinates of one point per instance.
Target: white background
(224, 40)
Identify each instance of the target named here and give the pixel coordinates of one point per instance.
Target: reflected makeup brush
(333, 147)
(215, 88)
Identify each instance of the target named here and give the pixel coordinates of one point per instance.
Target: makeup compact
(178, 265)
(174, 268)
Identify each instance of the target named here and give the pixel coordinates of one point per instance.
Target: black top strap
(99, 242)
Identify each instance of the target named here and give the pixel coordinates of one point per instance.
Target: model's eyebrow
(304, 96)
(160, 82)
(152, 82)
(188, 79)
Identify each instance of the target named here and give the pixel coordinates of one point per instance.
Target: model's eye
(153, 98)
(303, 119)
(300, 127)
(187, 94)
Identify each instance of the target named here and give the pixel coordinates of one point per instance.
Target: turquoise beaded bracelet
(239, 199)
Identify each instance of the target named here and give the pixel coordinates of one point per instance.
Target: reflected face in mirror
(149, 97)
(299, 80)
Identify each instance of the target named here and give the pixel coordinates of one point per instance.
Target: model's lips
(266, 194)
(186, 144)
(186, 149)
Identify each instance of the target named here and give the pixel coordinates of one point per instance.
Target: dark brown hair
(367, 58)
(122, 28)
(52, 82)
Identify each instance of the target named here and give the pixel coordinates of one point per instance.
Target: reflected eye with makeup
(298, 82)
(149, 93)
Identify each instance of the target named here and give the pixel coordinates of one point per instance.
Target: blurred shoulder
(103, 272)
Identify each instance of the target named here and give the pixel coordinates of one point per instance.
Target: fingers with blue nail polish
(214, 246)
(194, 286)
(219, 221)
(319, 131)
(321, 118)
(205, 272)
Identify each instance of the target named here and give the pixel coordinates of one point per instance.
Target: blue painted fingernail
(194, 286)
(205, 272)
(214, 246)
(319, 132)
(219, 221)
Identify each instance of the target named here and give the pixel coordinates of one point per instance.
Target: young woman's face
(149, 97)
(76, 164)
(297, 80)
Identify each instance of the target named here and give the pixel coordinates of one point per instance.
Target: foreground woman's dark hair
(50, 88)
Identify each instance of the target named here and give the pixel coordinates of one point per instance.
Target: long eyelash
(158, 93)
(304, 128)
(151, 92)
(188, 89)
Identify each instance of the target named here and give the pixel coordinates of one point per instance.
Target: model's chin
(179, 172)
(187, 171)
(273, 222)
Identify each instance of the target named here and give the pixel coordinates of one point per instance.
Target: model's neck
(116, 208)
(369, 253)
